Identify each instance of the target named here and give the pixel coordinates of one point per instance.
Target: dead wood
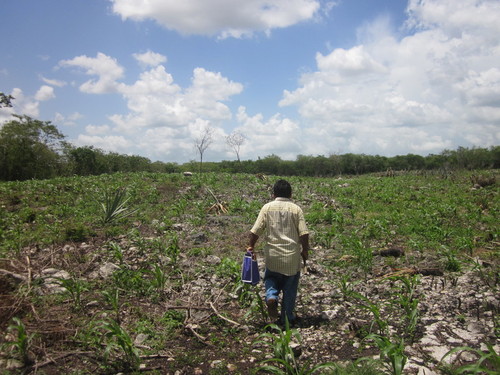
(391, 252)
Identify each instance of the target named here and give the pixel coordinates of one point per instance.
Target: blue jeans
(275, 283)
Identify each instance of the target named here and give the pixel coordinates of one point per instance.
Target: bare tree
(203, 141)
(235, 140)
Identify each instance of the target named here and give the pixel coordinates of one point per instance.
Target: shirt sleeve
(302, 229)
(260, 224)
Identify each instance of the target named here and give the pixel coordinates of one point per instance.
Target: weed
(362, 366)
(77, 233)
(132, 280)
(172, 319)
(452, 263)
(228, 268)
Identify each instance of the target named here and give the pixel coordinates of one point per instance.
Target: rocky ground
(218, 335)
(190, 315)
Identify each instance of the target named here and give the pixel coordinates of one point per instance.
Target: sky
(292, 77)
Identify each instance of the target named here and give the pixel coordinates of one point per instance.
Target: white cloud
(70, 120)
(97, 130)
(53, 82)
(277, 135)
(352, 61)
(114, 143)
(105, 67)
(45, 93)
(20, 104)
(226, 18)
(149, 58)
(435, 88)
(155, 100)
(161, 113)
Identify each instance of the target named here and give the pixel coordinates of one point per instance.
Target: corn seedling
(409, 302)
(119, 339)
(159, 278)
(284, 356)
(487, 363)
(248, 297)
(117, 251)
(113, 298)
(114, 206)
(74, 288)
(173, 250)
(372, 307)
(362, 366)
(21, 342)
(390, 351)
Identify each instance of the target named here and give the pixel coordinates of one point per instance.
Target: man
(287, 240)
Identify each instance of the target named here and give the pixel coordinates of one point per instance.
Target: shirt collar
(281, 199)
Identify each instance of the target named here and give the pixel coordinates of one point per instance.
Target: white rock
(107, 269)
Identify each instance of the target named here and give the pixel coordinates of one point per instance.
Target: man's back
(282, 223)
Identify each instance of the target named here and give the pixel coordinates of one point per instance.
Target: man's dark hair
(282, 189)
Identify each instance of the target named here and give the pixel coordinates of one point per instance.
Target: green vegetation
(155, 271)
(20, 343)
(37, 149)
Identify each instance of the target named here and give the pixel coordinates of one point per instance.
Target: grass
(166, 276)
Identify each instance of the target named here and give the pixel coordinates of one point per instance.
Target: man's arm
(304, 241)
(252, 241)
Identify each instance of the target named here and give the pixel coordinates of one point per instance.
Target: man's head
(282, 189)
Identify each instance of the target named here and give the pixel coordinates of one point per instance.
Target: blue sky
(310, 77)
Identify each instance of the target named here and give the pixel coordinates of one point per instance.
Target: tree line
(34, 149)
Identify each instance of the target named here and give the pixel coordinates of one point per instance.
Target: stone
(213, 259)
(140, 339)
(107, 270)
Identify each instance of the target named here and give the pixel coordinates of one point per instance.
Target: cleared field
(140, 272)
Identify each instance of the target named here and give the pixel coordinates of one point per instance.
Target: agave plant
(114, 206)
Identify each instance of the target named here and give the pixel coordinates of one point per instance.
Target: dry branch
(223, 317)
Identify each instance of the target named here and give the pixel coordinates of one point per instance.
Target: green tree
(84, 161)
(30, 148)
(5, 100)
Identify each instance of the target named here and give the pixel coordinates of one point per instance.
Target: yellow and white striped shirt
(282, 223)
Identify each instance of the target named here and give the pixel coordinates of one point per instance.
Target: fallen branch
(198, 336)
(53, 360)
(186, 307)
(402, 272)
(15, 276)
(218, 207)
(414, 271)
(223, 317)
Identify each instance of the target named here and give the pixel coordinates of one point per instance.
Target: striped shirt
(282, 223)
